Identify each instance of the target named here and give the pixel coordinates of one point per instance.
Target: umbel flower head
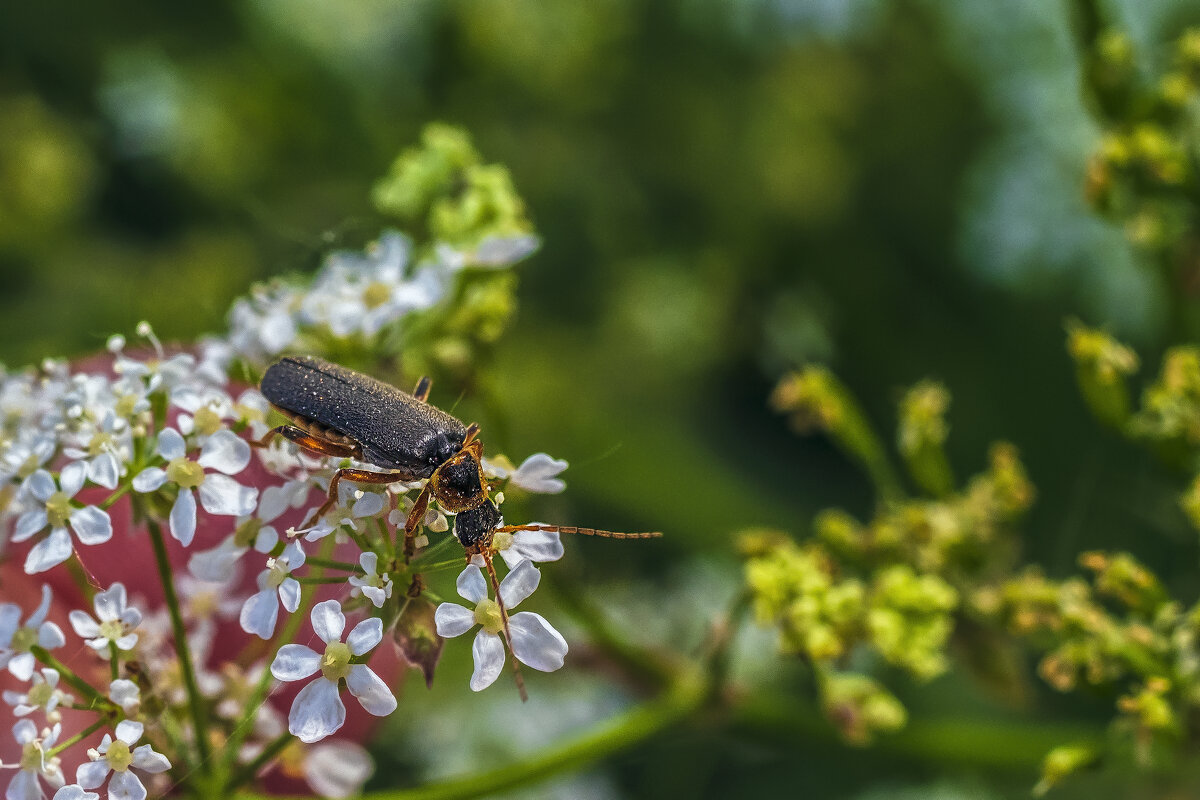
(17, 639)
(54, 508)
(119, 756)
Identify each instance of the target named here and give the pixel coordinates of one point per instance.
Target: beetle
(335, 411)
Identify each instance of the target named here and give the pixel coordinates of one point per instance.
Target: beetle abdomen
(390, 426)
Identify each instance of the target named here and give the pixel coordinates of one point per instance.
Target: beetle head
(473, 528)
(458, 484)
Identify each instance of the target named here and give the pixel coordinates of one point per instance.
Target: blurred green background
(724, 190)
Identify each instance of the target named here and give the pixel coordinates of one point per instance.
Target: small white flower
(534, 641)
(43, 695)
(104, 446)
(220, 494)
(219, 564)
(34, 764)
(125, 694)
(118, 756)
(337, 768)
(73, 791)
(376, 588)
(116, 625)
(318, 710)
(537, 546)
(260, 612)
(16, 640)
(538, 474)
(500, 251)
(91, 524)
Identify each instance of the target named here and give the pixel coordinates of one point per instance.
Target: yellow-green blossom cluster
(1147, 151)
(1102, 365)
(444, 186)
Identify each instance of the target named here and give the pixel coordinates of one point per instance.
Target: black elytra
(392, 428)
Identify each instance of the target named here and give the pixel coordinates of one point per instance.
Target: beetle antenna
(516, 665)
(583, 531)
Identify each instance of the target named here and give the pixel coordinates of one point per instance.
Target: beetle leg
(358, 476)
(472, 432)
(307, 441)
(415, 516)
(516, 665)
(423, 387)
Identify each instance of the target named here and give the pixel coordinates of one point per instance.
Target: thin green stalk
(309, 580)
(329, 563)
(68, 675)
(120, 491)
(79, 737)
(114, 660)
(179, 634)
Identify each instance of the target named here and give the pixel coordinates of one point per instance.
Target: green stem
(179, 634)
(247, 773)
(79, 737)
(684, 696)
(313, 581)
(114, 660)
(68, 675)
(329, 563)
(284, 635)
(115, 496)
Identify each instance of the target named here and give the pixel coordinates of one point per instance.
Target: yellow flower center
(207, 421)
(28, 467)
(335, 664)
(24, 639)
(31, 756)
(112, 630)
(126, 404)
(58, 509)
(40, 694)
(118, 756)
(487, 614)
(279, 571)
(376, 294)
(99, 443)
(185, 472)
(502, 540)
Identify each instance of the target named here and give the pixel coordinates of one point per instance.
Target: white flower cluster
(165, 436)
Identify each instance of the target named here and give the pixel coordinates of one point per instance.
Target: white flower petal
(369, 505)
(72, 477)
(21, 665)
(368, 561)
(316, 712)
(183, 517)
(24, 786)
(75, 792)
(365, 636)
(260, 613)
(453, 620)
(218, 564)
(91, 774)
(471, 585)
(226, 452)
(149, 479)
(536, 642)
(84, 626)
(110, 604)
(129, 731)
(10, 620)
(124, 693)
(488, 652)
(41, 485)
(49, 552)
(30, 523)
(222, 495)
(337, 768)
(91, 525)
(370, 690)
(328, 621)
(171, 444)
(50, 636)
(289, 594)
(145, 758)
(538, 546)
(519, 584)
(105, 471)
(295, 662)
(537, 474)
(126, 786)
(375, 594)
(126, 642)
(43, 608)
